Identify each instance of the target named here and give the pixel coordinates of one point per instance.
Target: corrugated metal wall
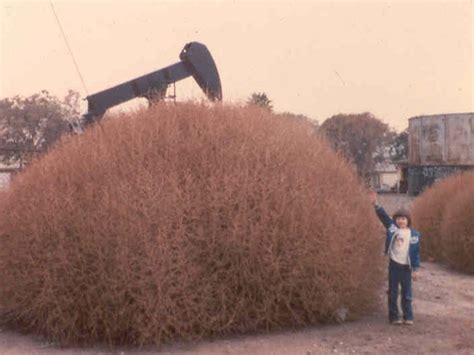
(439, 145)
(442, 139)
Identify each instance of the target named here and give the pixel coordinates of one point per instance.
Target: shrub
(186, 221)
(457, 229)
(429, 210)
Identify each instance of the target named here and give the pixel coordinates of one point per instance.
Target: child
(403, 246)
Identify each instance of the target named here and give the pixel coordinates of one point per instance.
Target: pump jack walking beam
(195, 61)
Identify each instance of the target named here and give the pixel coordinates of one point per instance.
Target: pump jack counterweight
(195, 61)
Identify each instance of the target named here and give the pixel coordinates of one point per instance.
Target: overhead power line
(68, 47)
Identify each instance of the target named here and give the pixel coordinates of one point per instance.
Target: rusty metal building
(439, 145)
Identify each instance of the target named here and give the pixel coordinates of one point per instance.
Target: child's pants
(399, 274)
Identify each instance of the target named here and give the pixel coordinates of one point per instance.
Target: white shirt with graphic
(400, 246)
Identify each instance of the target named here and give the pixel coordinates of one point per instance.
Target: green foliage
(399, 147)
(361, 138)
(30, 125)
(300, 118)
(261, 100)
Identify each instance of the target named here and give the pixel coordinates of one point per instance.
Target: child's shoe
(408, 322)
(396, 322)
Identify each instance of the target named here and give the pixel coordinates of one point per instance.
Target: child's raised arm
(380, 211)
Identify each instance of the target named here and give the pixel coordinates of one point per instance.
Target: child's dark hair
(402, 212)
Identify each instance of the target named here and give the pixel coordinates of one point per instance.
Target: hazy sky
(396, 59)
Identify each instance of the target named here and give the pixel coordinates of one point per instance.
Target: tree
(299, 117)
(361, 138)
(314, 124)
(260, 99)
(29, 125)
(399, 147)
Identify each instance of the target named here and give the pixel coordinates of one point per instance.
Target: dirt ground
(444, 323)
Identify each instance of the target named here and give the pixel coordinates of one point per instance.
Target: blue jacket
(414, 249)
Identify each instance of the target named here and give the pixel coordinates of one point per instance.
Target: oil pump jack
(195, 61)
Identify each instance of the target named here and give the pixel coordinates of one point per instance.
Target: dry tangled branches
(444, 215)
(186, 221)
